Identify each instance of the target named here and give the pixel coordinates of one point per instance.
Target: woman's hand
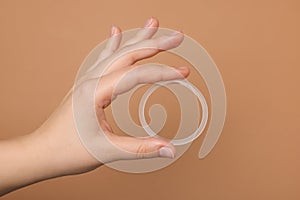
(55, 149)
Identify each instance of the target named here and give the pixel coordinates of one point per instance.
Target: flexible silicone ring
(188, 85)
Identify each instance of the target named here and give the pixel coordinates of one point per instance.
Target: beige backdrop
(254, 43)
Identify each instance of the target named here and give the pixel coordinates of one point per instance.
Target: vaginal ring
(188, 85)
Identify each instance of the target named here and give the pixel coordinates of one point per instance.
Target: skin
(55, 150)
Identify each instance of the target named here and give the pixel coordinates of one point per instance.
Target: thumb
(143, 147)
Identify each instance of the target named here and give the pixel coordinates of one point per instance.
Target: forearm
(24, 160)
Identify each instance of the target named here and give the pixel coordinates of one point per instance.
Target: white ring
(189, 86)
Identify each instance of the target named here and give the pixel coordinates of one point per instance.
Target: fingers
(125, 79)
(147, 48)
(114, 41)
(147, 32)
(142, 147)
(138, 48)
(149, 73)
(112, 44)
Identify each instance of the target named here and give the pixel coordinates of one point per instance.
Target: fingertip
(179, 35)
(151, 22)
(115, 30)
(118, 30)
(170, 41)
(166, 152)
(112, 30)
(148, 22)
(155, 22)
(184, 71)
(165, 148)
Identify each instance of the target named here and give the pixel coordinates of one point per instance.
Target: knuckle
(141, 151)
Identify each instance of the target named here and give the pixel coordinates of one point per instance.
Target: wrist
(61, 144)
(52, 150)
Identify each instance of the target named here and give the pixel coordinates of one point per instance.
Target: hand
(55, 149)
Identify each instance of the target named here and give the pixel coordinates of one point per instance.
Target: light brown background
(254, 43)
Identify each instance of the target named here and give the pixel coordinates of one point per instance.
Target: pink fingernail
(113, 30)
(148, 23)
(166, 152)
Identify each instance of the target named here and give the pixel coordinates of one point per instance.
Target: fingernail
(148, 23)
(166, 152)
(176, 33)
(113, 30)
